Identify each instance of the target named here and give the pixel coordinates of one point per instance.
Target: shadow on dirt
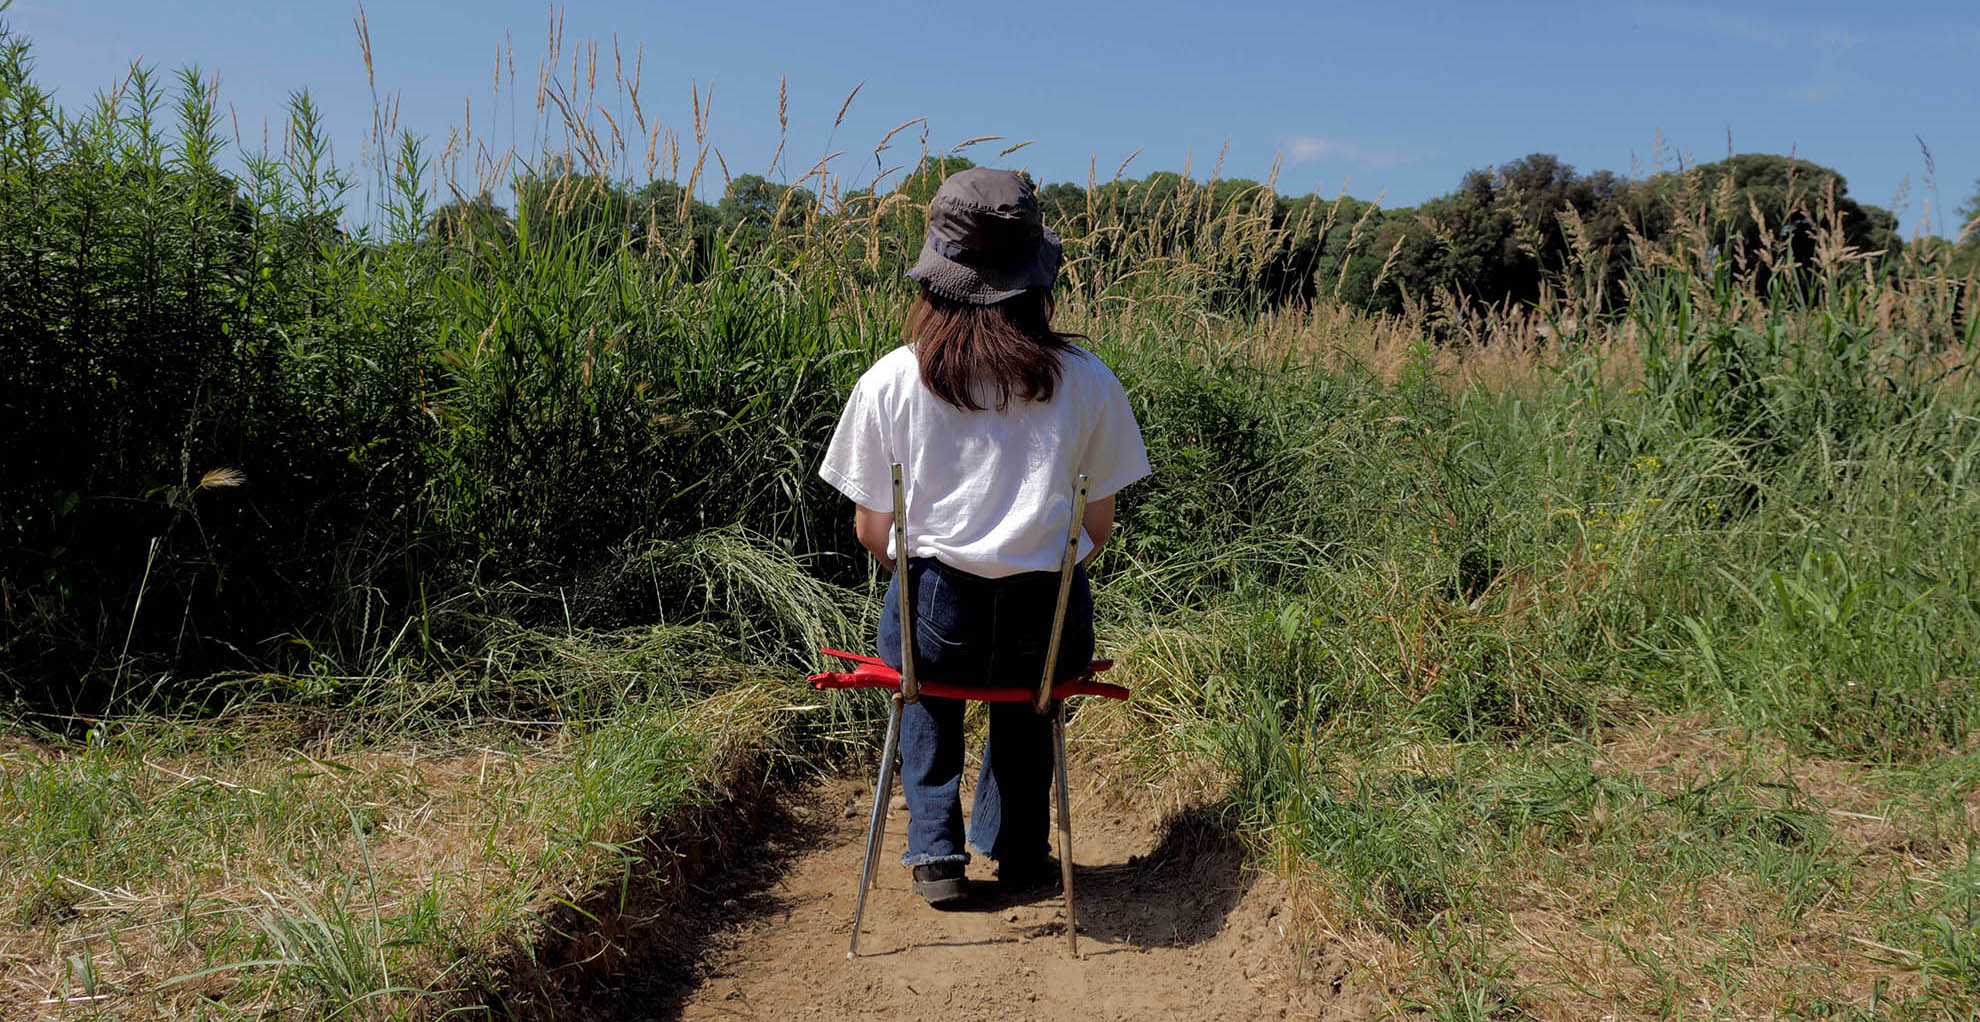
(1176, 895)
(637, 951)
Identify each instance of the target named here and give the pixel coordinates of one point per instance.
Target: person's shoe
(941, 883)
(1032, 875)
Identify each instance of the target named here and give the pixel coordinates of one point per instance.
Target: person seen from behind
(993, 415)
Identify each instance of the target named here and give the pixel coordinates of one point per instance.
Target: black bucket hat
(986, 239)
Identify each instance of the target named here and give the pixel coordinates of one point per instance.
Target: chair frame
(1047, 697)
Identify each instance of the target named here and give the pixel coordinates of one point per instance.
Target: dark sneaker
(941, 883)
(1036, 874)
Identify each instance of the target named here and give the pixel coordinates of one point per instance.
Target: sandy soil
(1171, 927)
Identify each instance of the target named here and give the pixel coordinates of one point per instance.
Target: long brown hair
(1009, 346)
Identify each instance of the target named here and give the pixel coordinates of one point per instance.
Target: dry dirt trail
(1171, 926)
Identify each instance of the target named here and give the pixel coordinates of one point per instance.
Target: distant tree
(665, 213)
(1314, 246)
(1793, 201)
(1969, 212)
(1968, 233)
(921, 183)
(1966, 257)
(891, 241)
(470, 221)
(1061, 202)
(1317, 259)
(557, 201)
(755, 210)
(1509, 230)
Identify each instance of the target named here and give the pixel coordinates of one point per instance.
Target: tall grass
(1401, 580)
(270, 438)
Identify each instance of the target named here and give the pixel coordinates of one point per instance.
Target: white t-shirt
(988, 492)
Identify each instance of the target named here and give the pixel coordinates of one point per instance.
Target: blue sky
(1395, 99)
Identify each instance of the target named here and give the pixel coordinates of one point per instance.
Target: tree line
(1504, 236)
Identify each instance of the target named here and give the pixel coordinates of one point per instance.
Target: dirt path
(1171, 927)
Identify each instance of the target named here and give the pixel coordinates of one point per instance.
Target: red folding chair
(1046, 698)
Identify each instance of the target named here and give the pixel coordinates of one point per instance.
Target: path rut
(1172, 926)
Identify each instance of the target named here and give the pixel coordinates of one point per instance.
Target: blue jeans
(970, 630)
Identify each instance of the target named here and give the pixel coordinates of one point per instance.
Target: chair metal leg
(1067, 565)
(876, 826)
(910, 691)
(1065, 825)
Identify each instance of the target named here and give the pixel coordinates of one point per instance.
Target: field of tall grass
(384, 600)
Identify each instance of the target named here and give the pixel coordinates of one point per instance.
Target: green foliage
(1966, 259)
(552, 461)
(481, 415)
(1507, 234)
(1757, 197)
(153, 309)
(755, 212)
(1969, 210)
(267, 443)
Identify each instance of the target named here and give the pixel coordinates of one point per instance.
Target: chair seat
(872, 673)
